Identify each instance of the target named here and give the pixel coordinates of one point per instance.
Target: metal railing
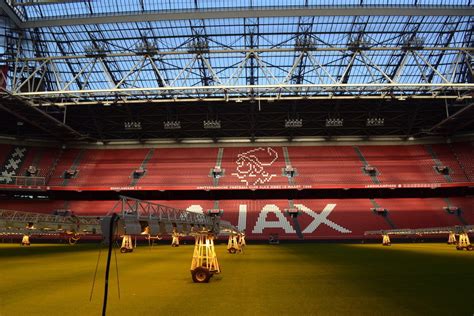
(23, 180)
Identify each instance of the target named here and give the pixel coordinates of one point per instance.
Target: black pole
(107, 268)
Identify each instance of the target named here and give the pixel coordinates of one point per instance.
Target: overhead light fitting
(199, 46)
(357, 43)
(96, 50)
(293, 123)
(211, 124)
(304, 43)
(415, 43)
(172, 124)
(132, 125)
(334, 122)
(375, 121)
(146, 48)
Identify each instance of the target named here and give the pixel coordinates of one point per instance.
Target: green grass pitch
(286, 279)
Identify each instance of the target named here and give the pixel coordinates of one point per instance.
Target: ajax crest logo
(252, 166)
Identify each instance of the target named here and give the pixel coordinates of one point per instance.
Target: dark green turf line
(285, 279)
(415, 281)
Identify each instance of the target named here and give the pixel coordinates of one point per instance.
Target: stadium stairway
(218, 164)
(384, 214)
(418, 213)
(446, 157)
(458, 214)
(402, 164)
(143, 166)
(466, 206)
(373, 177)
(327, 165)
(41, 158)
(66, 160)
(75, 163)
(464, 155)
(184, 167)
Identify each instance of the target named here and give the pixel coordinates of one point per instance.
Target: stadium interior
(313, 131)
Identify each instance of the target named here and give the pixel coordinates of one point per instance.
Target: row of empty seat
(318, 219)
(241, 167)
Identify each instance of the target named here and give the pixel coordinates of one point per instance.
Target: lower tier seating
(318, 220)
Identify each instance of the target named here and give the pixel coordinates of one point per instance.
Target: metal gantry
(130, 218)
(134, 216)
(27, 223)
(322, 80)
(235, 57)
(462, 231)
(250, 58)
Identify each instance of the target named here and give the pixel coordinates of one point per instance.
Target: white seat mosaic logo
(263, 222)
(252, 164)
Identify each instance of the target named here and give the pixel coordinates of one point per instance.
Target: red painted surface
(320, 219)
(256, 167)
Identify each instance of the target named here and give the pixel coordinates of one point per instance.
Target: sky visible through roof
(240, 35)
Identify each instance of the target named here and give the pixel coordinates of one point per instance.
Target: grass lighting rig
(462, 243)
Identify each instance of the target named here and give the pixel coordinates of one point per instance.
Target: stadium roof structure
(104, 62)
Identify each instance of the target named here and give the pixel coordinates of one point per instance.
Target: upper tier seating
(255, 167)
(464, 153)
(323, 165)
(446, 155)
(112, 167)
(172, 167)
(403, 164)
(41, 158)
